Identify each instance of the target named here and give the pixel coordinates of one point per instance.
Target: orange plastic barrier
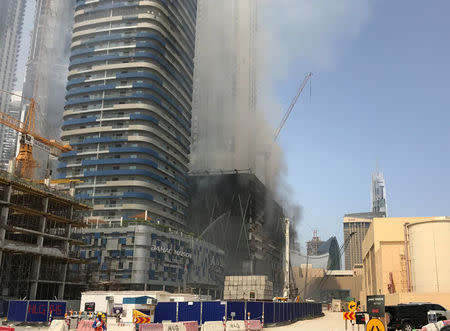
(151, 327)
(191, 325)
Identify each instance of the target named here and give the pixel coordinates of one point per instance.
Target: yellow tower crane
(24, 161)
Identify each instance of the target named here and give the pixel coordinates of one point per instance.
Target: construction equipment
(267, 154)
(24, 161)
(291, 106)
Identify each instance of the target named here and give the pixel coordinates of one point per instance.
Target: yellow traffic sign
(352, 306)
(375, 325)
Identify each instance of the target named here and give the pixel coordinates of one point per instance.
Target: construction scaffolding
(38, 228)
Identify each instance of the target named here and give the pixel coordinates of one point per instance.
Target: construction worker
(99, 323)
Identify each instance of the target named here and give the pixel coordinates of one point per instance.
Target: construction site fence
(35, 311)
(205, 311)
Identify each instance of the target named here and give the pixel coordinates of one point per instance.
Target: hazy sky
(379, 95)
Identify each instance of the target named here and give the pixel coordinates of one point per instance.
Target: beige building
(407, 259)
(358, 224)
(324, 285)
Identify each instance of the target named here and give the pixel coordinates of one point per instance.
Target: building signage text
(170, 251)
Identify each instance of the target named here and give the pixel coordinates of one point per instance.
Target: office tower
(128, 107)
(357, 223)
(378, 194)
(11, 21)
(224, 107)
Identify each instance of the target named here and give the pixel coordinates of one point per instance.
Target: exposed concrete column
(42, 221)
(36, 269)
(66, 244)
(62, 286)
(4, 217)
(35, 277)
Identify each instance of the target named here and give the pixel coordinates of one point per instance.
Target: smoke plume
(245, 49)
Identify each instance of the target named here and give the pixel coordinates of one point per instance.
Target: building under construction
(37, 230)
(236, 212)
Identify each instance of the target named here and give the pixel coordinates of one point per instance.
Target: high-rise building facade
(357, 223)
(128, 107)
(378, 194)
(11, 21)
(224, 102)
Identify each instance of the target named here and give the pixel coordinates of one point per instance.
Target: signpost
(376, 309)
(89, 307)
(350, 316)
(360, 317)
(375, 305)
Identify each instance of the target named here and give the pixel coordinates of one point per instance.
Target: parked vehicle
(407, 317)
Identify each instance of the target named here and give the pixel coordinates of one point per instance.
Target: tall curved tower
(128, 107)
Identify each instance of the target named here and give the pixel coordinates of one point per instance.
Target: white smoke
(281, 40)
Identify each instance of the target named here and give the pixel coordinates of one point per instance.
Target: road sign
(360, 317)
(375, 325)
(349, 316)
(142, 320)
(352, 306)
(375, 305)
(89, 306)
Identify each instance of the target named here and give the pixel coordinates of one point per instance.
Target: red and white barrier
(253, 325)
(6, 328)
(151, 327)
(85, 325)
(191, 326)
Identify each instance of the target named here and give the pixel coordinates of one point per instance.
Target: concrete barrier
(213, 326)
(191, 326)
(151, 327)
(121, 327)
(174, 326)
(235, 325)
(58, 325)
(253, 325)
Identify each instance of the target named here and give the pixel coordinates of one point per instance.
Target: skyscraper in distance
(378, 193)
(357, 224)
(11, 22)
(128, 107)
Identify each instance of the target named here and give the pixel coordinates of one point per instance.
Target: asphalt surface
(330, 322)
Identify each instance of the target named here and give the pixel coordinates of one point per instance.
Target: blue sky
(381, 97)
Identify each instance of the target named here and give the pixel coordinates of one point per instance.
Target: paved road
(330, 322)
